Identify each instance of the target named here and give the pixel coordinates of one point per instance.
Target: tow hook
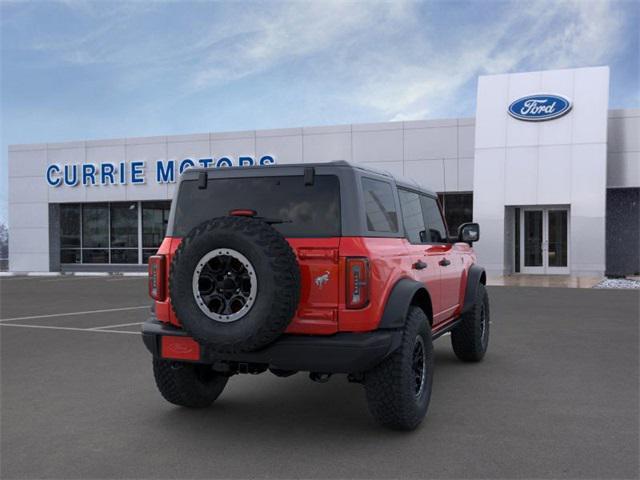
(320, 377)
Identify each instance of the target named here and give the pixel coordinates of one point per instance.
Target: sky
(76, 70)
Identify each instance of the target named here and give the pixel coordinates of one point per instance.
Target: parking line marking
(70, 314)
(69, 278)
(18, 278)
(65, 279)
(48, 327)
(125, 279)
(115, 326)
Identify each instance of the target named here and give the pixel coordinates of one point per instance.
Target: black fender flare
(403, 294)
(475, 277)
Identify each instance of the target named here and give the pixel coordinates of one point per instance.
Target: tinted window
(124, 255)
(155, 216)
(379, 205)
(305, 210)
(95, 256)
(436, 231)
(124, 225)
(69, 226)
(457, 208)
(68, 255)
(411, 215)
(95, 225)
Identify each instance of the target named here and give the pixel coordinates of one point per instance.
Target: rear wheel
(399, 389)
(187, 384)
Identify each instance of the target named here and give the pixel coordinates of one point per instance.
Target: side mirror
(469, 232)
(423, 236)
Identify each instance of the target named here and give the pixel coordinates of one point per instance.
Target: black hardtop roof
(400, 181)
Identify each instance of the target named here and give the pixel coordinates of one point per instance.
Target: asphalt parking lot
(556, 397)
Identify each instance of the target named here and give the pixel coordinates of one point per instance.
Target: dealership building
(548, 170)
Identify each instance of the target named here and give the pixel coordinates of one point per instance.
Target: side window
(379, 205)
(436, 231)
(412, 216)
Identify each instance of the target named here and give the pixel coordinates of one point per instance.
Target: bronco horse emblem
(322, 279)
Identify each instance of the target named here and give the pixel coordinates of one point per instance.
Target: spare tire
(234, 284)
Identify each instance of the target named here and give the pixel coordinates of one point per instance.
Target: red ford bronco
(325, 268)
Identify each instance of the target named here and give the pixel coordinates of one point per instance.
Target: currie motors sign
(135, 172)
(540, 107)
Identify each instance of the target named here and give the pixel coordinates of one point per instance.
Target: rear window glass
(305, 210)
(380, 207)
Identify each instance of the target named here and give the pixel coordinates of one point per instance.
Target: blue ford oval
(536, 108)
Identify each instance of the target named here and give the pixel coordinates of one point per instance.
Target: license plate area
(179, 348)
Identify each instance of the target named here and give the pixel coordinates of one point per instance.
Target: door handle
(419, 265)
(444, 262)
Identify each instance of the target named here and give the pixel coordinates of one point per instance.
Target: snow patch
(624, 283)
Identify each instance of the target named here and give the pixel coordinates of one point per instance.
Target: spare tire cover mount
(225, 285)
(234, 284)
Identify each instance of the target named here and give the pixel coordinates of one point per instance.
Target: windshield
(303, 210)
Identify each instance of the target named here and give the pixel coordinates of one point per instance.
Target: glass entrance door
(533, 239)
(544, 240)
(557, 241)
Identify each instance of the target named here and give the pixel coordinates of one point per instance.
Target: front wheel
(470, 338)
(187, 384)
(399, 389)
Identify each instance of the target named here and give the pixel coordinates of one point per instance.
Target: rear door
(424, 257)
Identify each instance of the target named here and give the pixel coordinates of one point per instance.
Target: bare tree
(4, 241)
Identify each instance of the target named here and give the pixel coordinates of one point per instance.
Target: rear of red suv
(291, 268)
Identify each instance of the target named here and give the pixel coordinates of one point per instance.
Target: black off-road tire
(391, 386)
(278, 283)
(186, 384)
(470, 338)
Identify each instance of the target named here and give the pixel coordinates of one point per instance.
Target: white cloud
(293, 31)
(389, 57)
(237, 40)
(531, 35)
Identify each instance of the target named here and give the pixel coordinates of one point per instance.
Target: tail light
(242, 212)
(156, 277)
(357, 282)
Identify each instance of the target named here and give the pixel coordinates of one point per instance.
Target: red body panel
(179, 348)
(322, 309)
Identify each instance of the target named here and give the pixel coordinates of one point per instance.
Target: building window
(95, 233)
(457, 208)
(70, 234)
(155, 216)
(124, 232)
(379, 205)
(116, 233)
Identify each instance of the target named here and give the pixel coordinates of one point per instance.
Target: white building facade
(554, 183)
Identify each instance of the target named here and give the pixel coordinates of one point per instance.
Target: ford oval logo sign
(536, 108)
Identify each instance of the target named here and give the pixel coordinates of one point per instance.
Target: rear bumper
(339, 353)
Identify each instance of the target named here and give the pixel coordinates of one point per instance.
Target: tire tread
(181, 386)
(466, 336)
(390, 400)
